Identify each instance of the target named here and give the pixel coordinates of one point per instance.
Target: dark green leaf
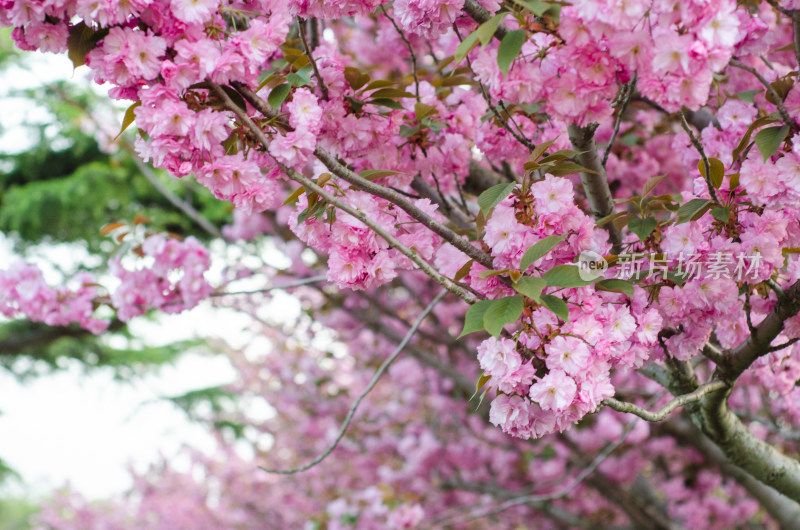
(473, 321)
(279, 95)
(565, 276)
(501, 312)
(509, 48)
(530, 286)
(386, 102)
(494, 196)
(769, 140)
(642, 227)
(616, 285)
(485, 31)
(556, 305)
(563, 169)
(539, 249)
(692, 210)
(301, 77)
(722, 215)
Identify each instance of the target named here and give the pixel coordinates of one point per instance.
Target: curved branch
(663, 412)
(481, 15)
(787, 119)
(354, 407)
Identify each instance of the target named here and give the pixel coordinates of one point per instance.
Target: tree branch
(309, 184)
(699, 146)
(595, 184)
(481, 15)
(787, 119)
(663, 412)
(375, 378)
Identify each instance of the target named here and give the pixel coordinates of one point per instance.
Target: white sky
(86, 429)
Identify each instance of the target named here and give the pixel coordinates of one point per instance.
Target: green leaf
(556, 305)
(509, 48)
(494, 195)
(486, 31)
(375, 174)
(539, 249)
(642, 227)
(279, 95)
(530, 286)
(692, 210)
(769, 140)
(542, 8)
(723, 215)
(386, 102)
(466, 45)
(301, 77)
(745, 142)
(616, 285)
(563, 169)
(390, 93)
(473, 321)
(565, 276)
(501, 312)
(747, 95)
(717, 171)
(127, 119)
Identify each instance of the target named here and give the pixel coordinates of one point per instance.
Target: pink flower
(555, 391)
(569, 354)
(194, 11)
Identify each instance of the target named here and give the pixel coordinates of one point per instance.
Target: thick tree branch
(595, 184)
(481, 15)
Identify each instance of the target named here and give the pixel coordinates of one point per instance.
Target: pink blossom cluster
(357, 257)
(173, 283)
(24, 291)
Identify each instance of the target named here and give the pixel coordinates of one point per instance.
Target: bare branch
(663, 412)
(301, 25)
(595, 184)
(290, 285)
(699, 146)
(625, 97)
(787, 119)
(410, 50)
(354, 407)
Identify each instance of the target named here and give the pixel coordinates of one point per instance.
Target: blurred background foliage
(62, 188)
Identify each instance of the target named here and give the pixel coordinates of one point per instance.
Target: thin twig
(312, 186)
(786, 344)
(521, 139)
(772, 284)
(354, 407)
(787, 119)
(697, 145)
(290, 285)
(301, 25)
(627, 93)
(410, 50)
(383, 192)
(663, 412)
(748, 309)
(538, 499)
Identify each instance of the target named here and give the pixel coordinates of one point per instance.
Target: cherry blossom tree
(585, 213)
